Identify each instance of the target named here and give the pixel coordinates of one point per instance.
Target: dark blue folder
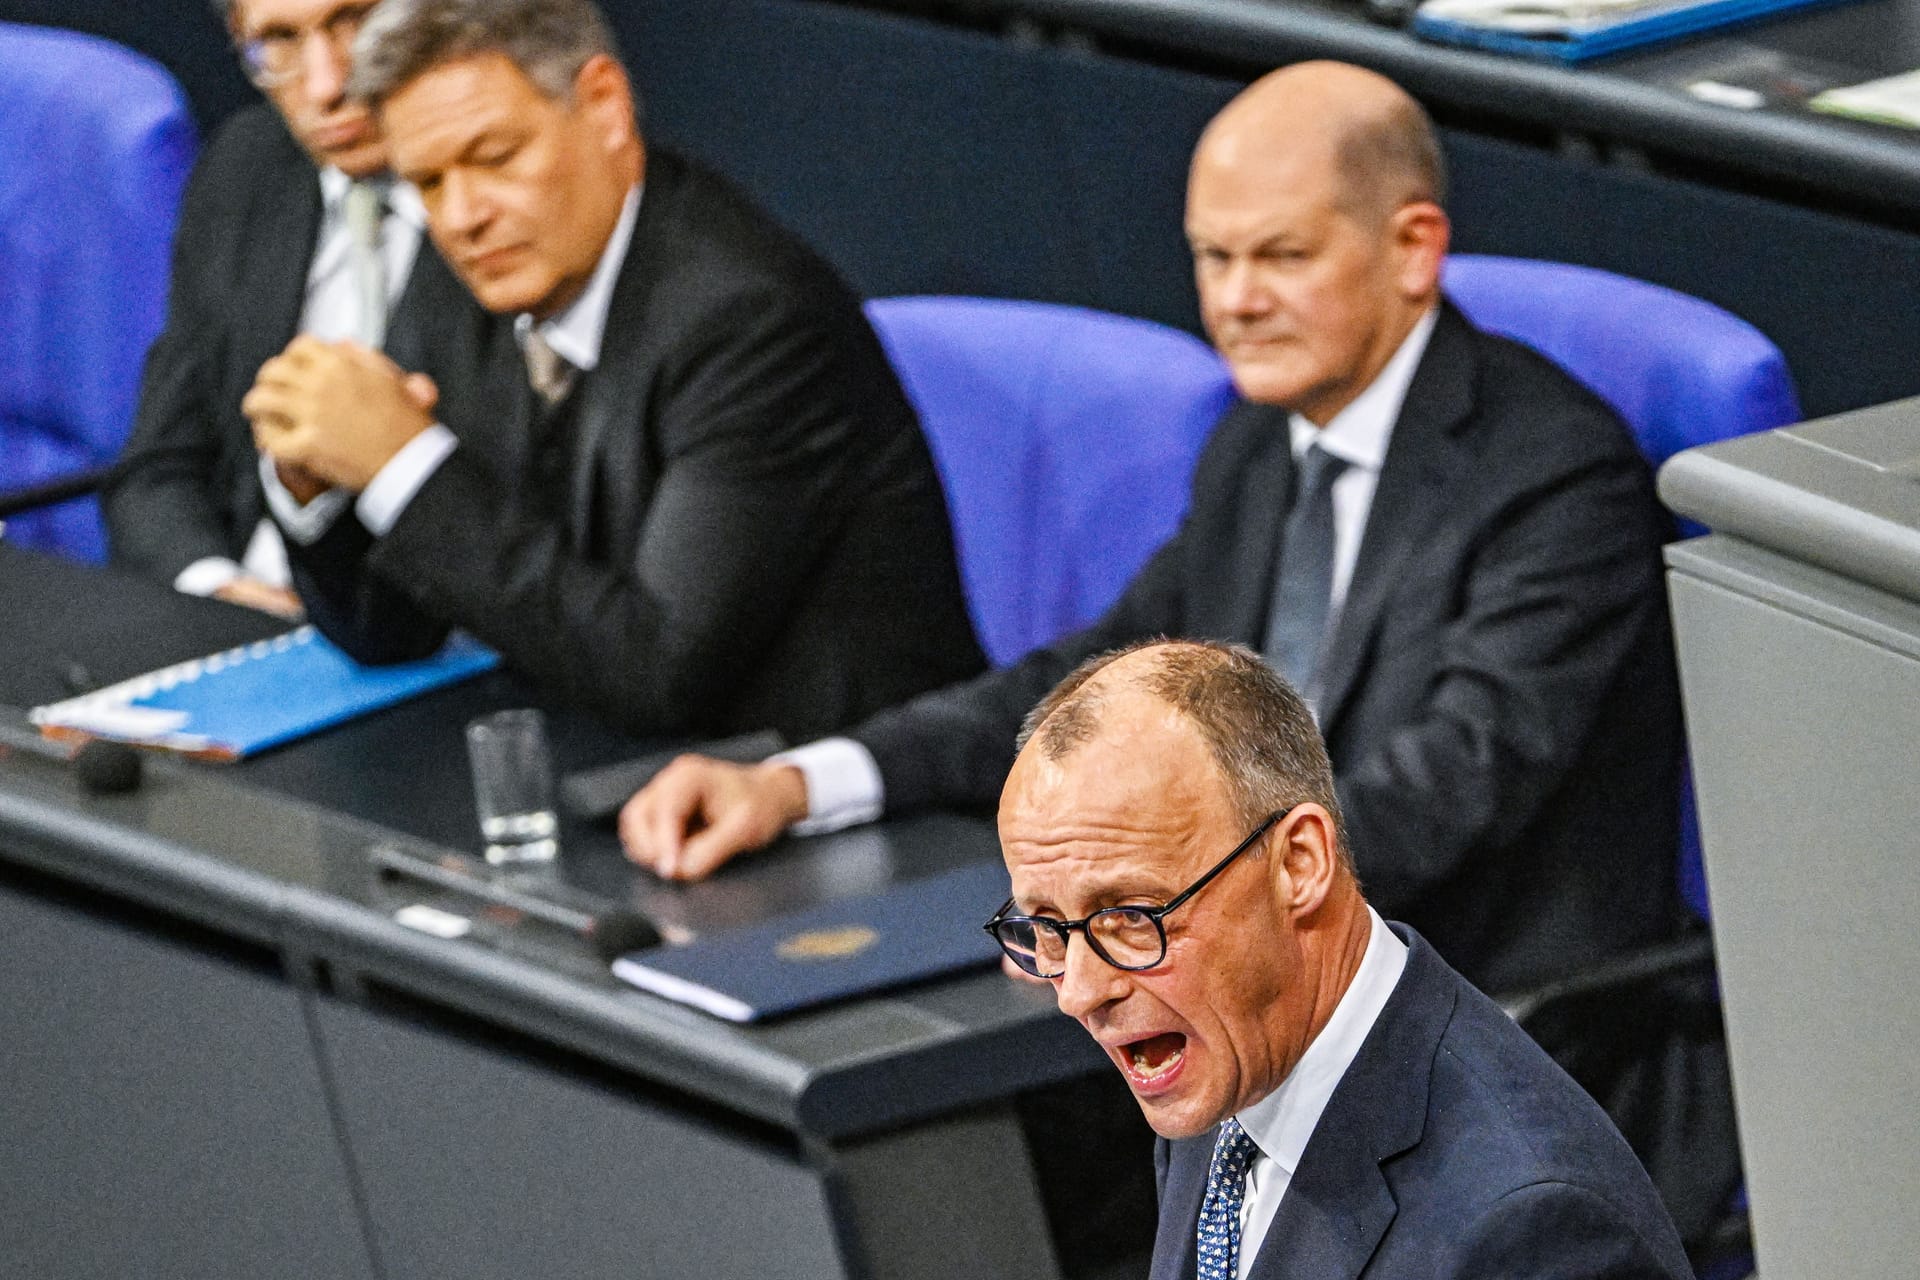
(919, 930)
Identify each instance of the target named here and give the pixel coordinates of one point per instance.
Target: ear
(1306, 859)
(602, 91)
(1420, 234)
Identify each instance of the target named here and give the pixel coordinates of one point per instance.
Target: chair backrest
(95, 148)
(1065, 439)
(1680, 371)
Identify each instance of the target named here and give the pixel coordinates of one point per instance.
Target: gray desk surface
(1636, 98)
(238, 850)
(1842, 493)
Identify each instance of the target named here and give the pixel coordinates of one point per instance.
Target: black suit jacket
(752, 533)
(1452, 1148)
(188, 486)
(1498, 694)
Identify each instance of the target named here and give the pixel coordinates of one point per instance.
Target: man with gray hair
(698, 499)
(1331, 1098)
(291, 225)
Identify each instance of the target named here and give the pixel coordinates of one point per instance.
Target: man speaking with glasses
(290, 226)
(1332, 1100)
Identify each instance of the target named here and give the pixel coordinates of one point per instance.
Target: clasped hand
(335, 412)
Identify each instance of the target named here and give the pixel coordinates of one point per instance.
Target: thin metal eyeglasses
(1129, 938)
(274, 59)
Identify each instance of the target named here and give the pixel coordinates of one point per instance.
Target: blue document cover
(1585, 40)
(229, 705)
(920, 930)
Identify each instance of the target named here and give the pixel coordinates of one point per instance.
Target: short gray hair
(1258, 730)
(1391, 161)
(549, 40)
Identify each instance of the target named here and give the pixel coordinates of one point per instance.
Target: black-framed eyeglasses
(274, 59)
(1125, 937)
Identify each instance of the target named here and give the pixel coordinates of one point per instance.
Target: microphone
(608, 929)
(102, 768)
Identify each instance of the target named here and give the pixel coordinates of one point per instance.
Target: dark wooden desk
(225, 1054)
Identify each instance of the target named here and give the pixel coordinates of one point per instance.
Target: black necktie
(1303, 589)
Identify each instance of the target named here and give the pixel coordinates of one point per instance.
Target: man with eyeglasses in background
(1331, 1098)
(291, 225)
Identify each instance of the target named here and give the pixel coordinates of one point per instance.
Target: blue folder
(1600, 38)
(232, 704)
(924, 929)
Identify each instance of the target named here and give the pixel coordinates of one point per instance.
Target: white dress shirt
(331, 310)
(843, 781)
(1281, 1123)
(575, 333)
(1358, 436)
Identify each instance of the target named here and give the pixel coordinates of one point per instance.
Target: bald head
(1361, 127)
(1317, 236)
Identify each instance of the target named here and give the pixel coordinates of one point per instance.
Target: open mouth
(1154, 1059)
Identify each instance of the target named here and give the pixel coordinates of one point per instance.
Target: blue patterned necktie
(1233, 1150)
(1303, 590)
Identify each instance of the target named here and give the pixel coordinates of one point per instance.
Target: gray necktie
(1303, 589)
(366, 209)
(549, 373)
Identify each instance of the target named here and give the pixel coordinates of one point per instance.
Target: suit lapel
(1411, 495)
(1339, 1203)
(1174, 1242)
(276, 266)
(1265, 484)
(614, 393)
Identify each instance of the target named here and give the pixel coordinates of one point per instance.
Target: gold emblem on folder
(828, 944)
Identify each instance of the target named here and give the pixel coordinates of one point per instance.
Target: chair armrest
(49, 493)
(1618, 976)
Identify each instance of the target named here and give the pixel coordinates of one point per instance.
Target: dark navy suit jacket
(1453, 1147)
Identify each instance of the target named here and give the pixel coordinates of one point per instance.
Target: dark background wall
(925, 157)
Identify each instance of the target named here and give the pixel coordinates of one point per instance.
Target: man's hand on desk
(698, 813)
(251, 593)
(336, 411)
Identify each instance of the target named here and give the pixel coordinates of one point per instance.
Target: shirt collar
(403, 201)
(576, 332)
(1359, 433)
(1283, 1121)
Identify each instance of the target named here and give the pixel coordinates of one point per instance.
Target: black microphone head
(107, 768)
(616, 932)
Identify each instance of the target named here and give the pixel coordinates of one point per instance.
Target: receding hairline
(1259, 736)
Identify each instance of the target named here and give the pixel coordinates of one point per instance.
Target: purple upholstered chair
(95, 147)
(1680, 371)
(1065, 439)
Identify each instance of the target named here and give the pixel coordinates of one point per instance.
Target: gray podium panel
(1803, 705)
(478, 1164)
(163, 1113)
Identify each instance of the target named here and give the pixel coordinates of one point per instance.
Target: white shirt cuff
(206, 576)
(843, 784)
(304, 524)
(393, 486)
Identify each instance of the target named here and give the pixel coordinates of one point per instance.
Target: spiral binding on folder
(234, 703)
